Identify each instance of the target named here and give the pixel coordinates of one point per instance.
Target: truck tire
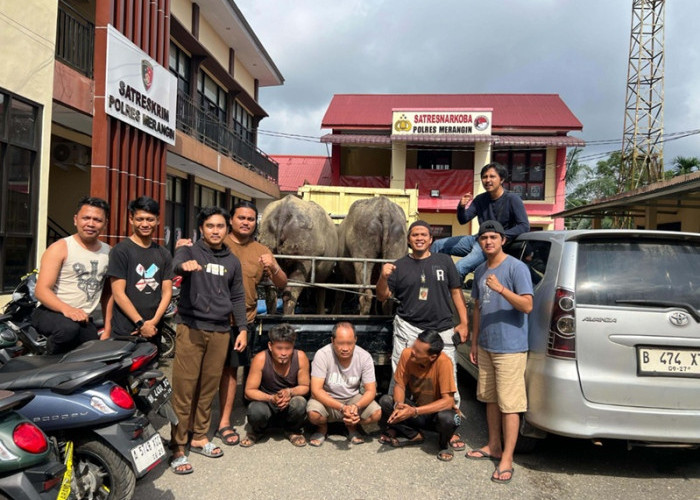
(99, 472)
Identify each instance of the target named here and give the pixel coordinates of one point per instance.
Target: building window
(175, 212)
(434, 160)
(19, 148)
(526, 172)
(180, 67)
(243, 123)
(212, 97)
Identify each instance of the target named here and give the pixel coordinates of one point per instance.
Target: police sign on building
(138, 90)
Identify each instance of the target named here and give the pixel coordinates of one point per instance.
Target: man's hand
(387, 269)
(191, 266)
(75, 314)
(268, 262)
(105, 335)
(493, 283)
(148, 330)
(183, 242)
(463, 331)
(282, 398)
(241, 341)
(351, 415)
(402, 412)
(473, 357)
(465, 200)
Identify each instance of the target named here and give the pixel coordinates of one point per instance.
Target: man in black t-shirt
(141, 274)
(425, 284)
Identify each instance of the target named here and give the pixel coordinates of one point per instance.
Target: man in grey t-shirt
(338, 372)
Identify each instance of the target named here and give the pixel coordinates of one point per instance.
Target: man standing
(276, 386)
(338, 372)
(425, 284)
(423, 397)
(212, 290)
(71, 281)
(141, 275)
(495, 204)
(503, 295)
(257, 262)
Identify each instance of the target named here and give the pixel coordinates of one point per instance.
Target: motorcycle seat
(53, 376)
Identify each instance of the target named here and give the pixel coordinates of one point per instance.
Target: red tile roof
(295, 171)
(519, 111)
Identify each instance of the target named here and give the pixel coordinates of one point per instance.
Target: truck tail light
(562, 328)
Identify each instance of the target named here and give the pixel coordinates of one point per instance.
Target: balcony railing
(206, 127)
(75, 40)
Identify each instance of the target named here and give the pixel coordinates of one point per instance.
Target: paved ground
(560, 468)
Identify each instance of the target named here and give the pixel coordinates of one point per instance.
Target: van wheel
(99, 472)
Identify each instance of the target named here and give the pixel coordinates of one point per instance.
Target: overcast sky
(575, 48)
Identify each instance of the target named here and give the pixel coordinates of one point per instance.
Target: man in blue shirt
(503, 294)
(495, 204)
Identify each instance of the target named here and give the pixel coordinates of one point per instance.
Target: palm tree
(683, 165)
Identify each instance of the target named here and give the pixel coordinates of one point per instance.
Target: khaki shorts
(334, 415)
(502, 380)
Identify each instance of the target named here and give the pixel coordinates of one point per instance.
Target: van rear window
(646, 269)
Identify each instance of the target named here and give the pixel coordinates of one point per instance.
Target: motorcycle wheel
(167, 342)
(100, 473)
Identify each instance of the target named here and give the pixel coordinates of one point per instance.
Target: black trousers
(445, 422)
(63, 333)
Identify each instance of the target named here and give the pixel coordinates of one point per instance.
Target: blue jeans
(466, 247)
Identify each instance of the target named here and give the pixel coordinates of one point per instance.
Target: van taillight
(562, 329)
(29, 437)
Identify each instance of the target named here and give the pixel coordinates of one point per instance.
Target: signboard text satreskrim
(138, 90)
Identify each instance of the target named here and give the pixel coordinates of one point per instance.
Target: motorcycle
(112, 443)
(167, 347)
(28, 466)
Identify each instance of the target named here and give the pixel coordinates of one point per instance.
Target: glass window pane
(172, 59)
(18, 202)
(18, 261)
(22, 122)
(184, 66)
(178, 191)
(210, 89)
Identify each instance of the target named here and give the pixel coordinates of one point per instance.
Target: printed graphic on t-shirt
(89, 282)
(439, 273)
(485, 291)
(147, 281)
(215, 269)
(340, 379)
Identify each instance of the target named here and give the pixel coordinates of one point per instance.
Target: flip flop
(456, 442)
(179, 462)
(319, 438)
(355, 438)
(482, 455)
(446, 455)
(207, 450)
(386, 439)
(249, 440)
(402, 442)
(227, 438)
(297, 440)
(496, 476)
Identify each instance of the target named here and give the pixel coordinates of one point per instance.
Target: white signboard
(438, 122)
(138, 90)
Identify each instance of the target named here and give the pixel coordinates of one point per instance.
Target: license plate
(148, 453)
(159, 393)
(668, 362)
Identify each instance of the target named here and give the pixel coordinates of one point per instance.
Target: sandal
(446, 455)
(402, 442)
(317, 439)
(297, 440)
(355, 438)
(177, 462)
(387, 437)
(208, 450)
(249, 440)
(497, 476)
(230, 439)
(456, 442)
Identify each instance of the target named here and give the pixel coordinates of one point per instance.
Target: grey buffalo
(292, 226)
(374, 228)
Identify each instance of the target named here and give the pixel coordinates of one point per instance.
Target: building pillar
(482, 157)
(650, 217)
(397, 176)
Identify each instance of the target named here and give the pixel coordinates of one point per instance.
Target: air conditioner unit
(70, 153)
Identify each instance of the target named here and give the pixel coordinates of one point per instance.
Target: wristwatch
(139, 324)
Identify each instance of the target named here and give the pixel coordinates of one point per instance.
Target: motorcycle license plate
(148, 453)
(159, 393)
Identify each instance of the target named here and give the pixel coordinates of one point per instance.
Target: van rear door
(638, 319)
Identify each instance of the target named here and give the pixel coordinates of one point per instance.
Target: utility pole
(642, 142)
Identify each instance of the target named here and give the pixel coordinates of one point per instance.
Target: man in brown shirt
(423, 397)
(257, 262)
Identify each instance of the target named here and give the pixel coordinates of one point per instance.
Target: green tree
(683, 165)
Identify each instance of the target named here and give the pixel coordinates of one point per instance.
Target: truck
(374, 332)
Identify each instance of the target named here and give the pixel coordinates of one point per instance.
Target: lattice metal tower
(642, 142)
